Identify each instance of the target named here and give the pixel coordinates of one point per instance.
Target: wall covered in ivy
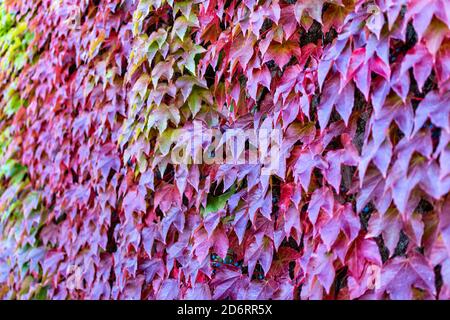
(97, 95)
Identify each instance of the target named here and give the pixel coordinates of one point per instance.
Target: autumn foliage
(91, 95)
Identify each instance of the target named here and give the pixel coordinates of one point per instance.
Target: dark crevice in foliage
(402, 245)
(340, 281)
(313, 35)
(365, 214)
(438, 278)
(384, 251)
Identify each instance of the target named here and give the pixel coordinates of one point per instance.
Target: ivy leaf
(281, 53)
(400, 275)
(216, 203)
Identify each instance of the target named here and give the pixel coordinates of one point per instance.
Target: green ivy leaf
(217, 203)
